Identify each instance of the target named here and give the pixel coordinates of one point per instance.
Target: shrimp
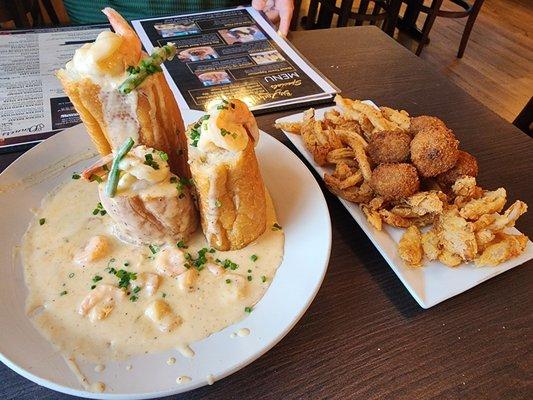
(235, 114)
(230, 126)
(112, 55)
(100, 302)
(96, 248)
(148, 281)
(187, 280)
(160, 313)
(171, 262)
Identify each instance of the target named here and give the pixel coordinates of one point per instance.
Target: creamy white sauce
(183, 379)
(57, 285)
(171, 361)
(120, 115)
(243, 332)
(99, 367)
(186, 351)
(210, 379)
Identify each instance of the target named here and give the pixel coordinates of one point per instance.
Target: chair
(17, 11)
(321, 12)
(524, 120)
(434, 11)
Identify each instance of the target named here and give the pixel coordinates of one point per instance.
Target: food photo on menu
(190, 205)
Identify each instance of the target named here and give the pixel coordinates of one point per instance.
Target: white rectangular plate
(430, 284)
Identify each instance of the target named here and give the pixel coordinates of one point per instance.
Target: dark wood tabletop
(364, 336)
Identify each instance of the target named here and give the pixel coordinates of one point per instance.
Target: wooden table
(364, 337)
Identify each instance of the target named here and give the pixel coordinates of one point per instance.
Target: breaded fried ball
(389, 147)
(395, 181)
(466, 165)
(434, 151)
(424, 122)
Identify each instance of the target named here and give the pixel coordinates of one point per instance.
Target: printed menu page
(232, 53)
(33, 105)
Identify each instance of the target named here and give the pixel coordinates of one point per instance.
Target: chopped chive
(248, 309)
(173, 179)
(249, 277)
(136, 289)
(126, 264)
(71, 275)
(228, 280)
(163, 295)
(42, 221)
(263, 278)
(133, 298)
(211, 250)
(64, 292)
(153, 248)
(92, 287)
(181, 244)
(253, 257)
(75, 175)
(249, 271)
(97, 278)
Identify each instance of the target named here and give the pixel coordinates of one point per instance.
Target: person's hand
(277, 11)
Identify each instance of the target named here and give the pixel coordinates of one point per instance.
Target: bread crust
(231, 199)
(160, 123)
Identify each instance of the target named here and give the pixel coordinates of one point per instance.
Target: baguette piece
(229, 186)
(148, 113)
(151, 205)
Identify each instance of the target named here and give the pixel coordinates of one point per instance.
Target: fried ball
(389, 147)
(434, 151)
(423, 122)
(466, 165)
(395, 181)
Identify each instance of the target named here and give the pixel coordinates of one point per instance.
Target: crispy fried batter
(365, 114)
(399, 117)
(315, 138)
(344, 154)
(456, 235)
(466, 165)
(372, 216)
(449, 259)
(491, 202)
(422, 203)
(410, 247)
(355, 194)
(430, 244)
(389, 147)
(422, 122)
(395, 181)
(291, 127)
(357, 145)
(398, 221)
(505, 247)
(434, 151)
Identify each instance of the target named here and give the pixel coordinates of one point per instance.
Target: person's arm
(277, 10)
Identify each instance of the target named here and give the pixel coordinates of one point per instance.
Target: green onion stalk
(112, 180)
(147, 67)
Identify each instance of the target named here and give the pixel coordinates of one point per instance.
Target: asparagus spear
(112, 179)
(147, 67)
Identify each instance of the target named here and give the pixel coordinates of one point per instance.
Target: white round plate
(301, 209)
